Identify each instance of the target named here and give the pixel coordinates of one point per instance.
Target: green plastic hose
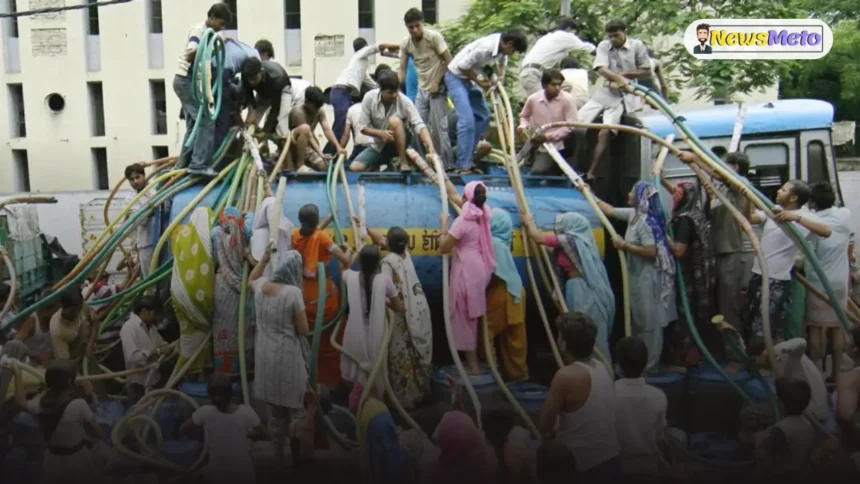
(121, 234)
(206, 94)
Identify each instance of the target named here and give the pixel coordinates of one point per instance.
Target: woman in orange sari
(317, 246)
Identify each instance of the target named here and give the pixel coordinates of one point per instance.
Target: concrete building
(89, 91)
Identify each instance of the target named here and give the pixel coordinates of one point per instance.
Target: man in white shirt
(217, 17)
(619, 59)
(389, 117)
(299, 88)
(548, 51)
(141, 346)
(431, 57)
(360, 141)
(576, 81)
(794, 365)
(348, 85)
(465, 87)
(640, 411)
(136, 176)
(780, 254)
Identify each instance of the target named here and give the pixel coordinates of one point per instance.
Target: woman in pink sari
(472, 267)
(463, 454)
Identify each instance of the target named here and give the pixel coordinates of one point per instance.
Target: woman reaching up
(410, 352)
(472, 267)
(368, 293)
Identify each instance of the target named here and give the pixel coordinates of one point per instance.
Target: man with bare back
(305, 152)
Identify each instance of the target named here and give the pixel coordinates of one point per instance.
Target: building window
(97, 108)
(159, 106)
(20, 171)
(100, 169)
(13, 8)
(156, 24)
(18, 124)
(92, 18)
(159, 152)
(365, 14)
(293, 14)
(233, 24)
(430, 9)
(817, 162)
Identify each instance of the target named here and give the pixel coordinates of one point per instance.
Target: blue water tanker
(412, 201)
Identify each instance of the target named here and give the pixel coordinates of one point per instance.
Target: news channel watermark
(751, 39)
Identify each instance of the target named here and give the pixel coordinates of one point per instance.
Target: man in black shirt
(271, 84)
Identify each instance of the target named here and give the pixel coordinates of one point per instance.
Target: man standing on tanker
(217, 17)
(619, 59)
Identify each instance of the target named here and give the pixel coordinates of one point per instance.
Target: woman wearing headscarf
(316, 246)
(650, 265)
(410, 352)
(368, 295)
(384, 459)
(192, 288)
(693, 248)
(578, 263)
(260, 223)
(472, 267)
(506, 300)
(464, 456)
(281, 376)
(67, 425)
(228, 241)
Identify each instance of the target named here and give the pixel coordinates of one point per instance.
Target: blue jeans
(205, 141)
(473, 116)
(341, 101)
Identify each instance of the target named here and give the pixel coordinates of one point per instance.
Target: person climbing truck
(216, 19)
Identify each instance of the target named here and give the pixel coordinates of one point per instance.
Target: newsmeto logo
(758, 39)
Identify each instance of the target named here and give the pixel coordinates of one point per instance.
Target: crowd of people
(595, 428)
(435, 101)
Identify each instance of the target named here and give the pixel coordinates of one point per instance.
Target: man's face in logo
(702, 35)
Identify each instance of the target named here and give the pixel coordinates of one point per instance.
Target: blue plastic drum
(672, 385)
(531, 397)
(26, 434)
(482, 383)
(712, 404)
(182, 452)
(716, 446)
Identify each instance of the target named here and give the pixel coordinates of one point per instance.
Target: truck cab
(784, 140)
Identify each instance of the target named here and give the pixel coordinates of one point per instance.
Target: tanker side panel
(415, 206)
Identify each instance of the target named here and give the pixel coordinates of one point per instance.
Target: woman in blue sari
(577, 262)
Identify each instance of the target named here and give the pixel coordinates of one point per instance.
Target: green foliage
(834, 78)
(651, 21)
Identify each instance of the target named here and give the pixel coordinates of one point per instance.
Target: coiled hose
(109, 245)
(206, 94)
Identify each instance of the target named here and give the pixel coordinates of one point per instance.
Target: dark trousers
(340, 100)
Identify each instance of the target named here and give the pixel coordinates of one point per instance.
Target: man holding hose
(217, 17)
